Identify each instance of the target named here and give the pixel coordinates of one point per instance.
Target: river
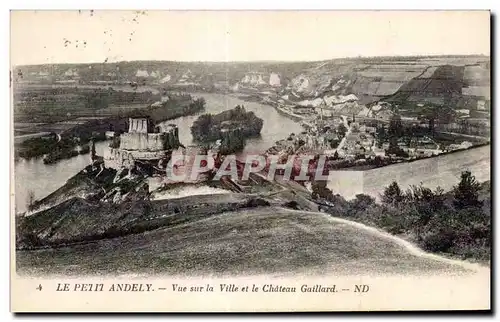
(42, 179)
(441, 171)
(276, 126)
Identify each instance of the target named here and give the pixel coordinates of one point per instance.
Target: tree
(201, 127)
(430, 115)
(395, 126)
(362, 202)
(30, 199)
(341, 129)
(381, 136)
(392, 194)
(320, 191)
(200, 102)
(92, 150)
(437, 113)
(466, 194)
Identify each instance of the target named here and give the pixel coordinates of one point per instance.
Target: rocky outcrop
(77, 220)
(142, 73)
(274, 80)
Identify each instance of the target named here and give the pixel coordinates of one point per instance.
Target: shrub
(392, 194)
(466, 193)
(439, 241)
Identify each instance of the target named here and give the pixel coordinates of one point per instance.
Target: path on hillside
(411, 248)
(272, 241)
(423, 72)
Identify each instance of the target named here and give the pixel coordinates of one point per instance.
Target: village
(354, 120)
(357, 142)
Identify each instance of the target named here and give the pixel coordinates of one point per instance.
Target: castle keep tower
(140, 125)
(144, 142)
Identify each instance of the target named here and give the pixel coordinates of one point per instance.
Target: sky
(48, 37)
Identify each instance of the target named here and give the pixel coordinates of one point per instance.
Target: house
(379, 152)
(142, 73)
(166, 79)
(370, 129)
(71, 73)
(463, 112)
(323, 111)
(481, 105)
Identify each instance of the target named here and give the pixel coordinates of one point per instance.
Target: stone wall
(140, 125)
(143, 141)
(118, 158)
(169, 139)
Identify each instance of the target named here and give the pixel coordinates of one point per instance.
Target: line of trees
(456, 223)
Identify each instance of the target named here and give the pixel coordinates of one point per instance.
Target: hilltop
(368, 78)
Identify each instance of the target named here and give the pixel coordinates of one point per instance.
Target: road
(467, 135)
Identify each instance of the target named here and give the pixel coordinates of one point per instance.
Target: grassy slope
(256, 241)
(78, 220)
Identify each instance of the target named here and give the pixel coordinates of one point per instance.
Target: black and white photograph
(231, 144)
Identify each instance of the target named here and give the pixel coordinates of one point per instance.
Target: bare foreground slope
(263, 240)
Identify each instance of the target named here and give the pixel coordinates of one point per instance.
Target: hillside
(370, 79)
(271, 231)
(264, 240)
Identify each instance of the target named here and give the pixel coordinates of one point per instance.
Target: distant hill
(459, 80)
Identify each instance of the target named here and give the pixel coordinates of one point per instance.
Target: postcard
(250, 161)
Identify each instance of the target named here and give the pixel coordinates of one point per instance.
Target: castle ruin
(143, 143)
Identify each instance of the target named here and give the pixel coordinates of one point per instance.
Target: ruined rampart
(118, 158)
(143, 141)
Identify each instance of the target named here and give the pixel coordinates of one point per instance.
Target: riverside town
(137, 156)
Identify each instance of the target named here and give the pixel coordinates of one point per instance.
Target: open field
(55, 103)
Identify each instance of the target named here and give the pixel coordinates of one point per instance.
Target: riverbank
(262, 100)
(34, 177)
(62, 145)
(379, 163)
(439, 171)
(288, 113)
